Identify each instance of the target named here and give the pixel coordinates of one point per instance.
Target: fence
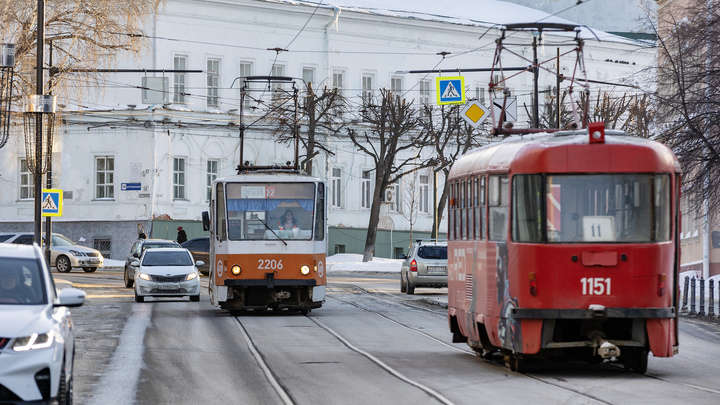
(701, 295)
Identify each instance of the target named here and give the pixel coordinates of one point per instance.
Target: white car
(166, 272)
(37, 341)
(65, 254)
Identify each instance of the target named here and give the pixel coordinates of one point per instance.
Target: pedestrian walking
(182, 236)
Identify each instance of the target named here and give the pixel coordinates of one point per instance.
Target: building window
(245, 70)
(27, 185)
(336, 184)
(278, 70)
(480, 94)
(396, 85)
(105, 177)
(179, 178)
(104, 245)
(395, 204)
(367, 89)
(424, 193)
(338, 82)
(179, 63)
(212, 172)
(213, 82)
(366, 195)
(425, 92)
(308, 75)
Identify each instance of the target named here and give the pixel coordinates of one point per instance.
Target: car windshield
(20, 282)
(432, 252)
(167, 259)
(58, 240)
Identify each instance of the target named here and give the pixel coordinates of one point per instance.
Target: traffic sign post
(450, 90)
(52, 202)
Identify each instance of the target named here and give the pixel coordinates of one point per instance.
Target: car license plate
(168, 287)
(436, 269)
(94, 260)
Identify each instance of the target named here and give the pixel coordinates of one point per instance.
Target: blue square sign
(450, 90)
(51, 202)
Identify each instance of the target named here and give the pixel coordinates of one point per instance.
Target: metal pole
(557, 92)
(38, 122)
(702, 297)
(536, 75)
(711, 305)
(692, 297)
(48, 219)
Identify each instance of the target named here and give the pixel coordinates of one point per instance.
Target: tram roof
(270, 176)
(568, 152)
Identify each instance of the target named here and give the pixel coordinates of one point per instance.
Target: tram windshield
(597, 208)
(270, 210)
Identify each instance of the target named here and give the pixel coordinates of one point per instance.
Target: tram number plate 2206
(595, 286)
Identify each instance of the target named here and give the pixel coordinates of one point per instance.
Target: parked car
(65, 254)
(166, 272)
(137, 250)
(200, 250)
(424, 266)
(36, 330)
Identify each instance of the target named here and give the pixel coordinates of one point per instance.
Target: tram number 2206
(595, 286)
(267, 264)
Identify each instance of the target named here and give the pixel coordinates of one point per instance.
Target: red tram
(565, 246)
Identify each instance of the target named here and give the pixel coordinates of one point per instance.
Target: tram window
(663, 218)
(499, 194)
(320, 213)
(527, 208)
(476, 216)
(220, 224)
(482, 219)
(469, 211)
(463, 217)
(456, 209)
(607, 208)
(451, 213)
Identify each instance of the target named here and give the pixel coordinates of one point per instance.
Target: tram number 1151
(595, 286)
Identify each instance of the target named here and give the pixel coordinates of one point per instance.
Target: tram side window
(663, 217)
(482, 217)
(463, 203)
(469, 211)
(220, 224)
(320, 213)
(456, 209)
(527, 208)
(498, 201)
(451, 213)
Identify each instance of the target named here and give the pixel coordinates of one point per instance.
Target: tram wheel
(515, 363)
(637, 361)
(304, 312)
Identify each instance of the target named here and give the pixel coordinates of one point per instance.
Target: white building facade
(126, 165)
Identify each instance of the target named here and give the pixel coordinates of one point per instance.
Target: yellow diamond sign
(475, 113)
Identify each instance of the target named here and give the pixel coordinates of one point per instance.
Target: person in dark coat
(182, 236)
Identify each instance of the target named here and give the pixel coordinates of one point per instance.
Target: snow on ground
(337, 262)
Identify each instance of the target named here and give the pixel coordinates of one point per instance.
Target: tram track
(498, 362)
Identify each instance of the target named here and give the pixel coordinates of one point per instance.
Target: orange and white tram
(565, 245)
(268, 232)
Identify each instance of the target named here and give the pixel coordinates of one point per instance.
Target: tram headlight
(305, 269)
(236, 269)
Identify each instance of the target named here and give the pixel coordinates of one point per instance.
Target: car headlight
(191, 276)
(305, 269)
(34, 341)
(145, 277)
(76, 253)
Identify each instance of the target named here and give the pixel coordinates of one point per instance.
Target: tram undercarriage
(261, 298)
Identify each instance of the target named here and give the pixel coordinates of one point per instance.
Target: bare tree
(688, 102)
(451, 137)
(83, 33)
(411, 202)
(321, 115)
(393, 128)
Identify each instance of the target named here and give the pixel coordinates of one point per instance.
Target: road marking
(118, 384)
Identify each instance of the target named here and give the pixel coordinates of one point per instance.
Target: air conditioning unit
(388, 195)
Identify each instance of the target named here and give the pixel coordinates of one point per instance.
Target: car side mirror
(199, 263)
(70, 297)
(135, 263)
(206, 220)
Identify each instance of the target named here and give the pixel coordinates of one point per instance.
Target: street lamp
(7, 70)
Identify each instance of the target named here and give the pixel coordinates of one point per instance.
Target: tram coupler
(608, 350)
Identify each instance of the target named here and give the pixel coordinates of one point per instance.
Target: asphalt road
(368, 344)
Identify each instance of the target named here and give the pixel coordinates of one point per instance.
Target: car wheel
(195, 298)
(89, 269)
(63, 264)
(410, 288)
(403, 286)
(128, 283)
(139, 298)
(65, 390)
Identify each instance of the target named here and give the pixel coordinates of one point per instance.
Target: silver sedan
(167, 272)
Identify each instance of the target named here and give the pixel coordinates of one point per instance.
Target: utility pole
(39, 121)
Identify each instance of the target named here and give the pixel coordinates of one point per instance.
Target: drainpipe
(334, 19)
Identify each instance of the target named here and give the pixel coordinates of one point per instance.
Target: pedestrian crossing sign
(51, 202)
(450, 90)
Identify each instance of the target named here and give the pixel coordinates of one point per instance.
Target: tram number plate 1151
(595, 286)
